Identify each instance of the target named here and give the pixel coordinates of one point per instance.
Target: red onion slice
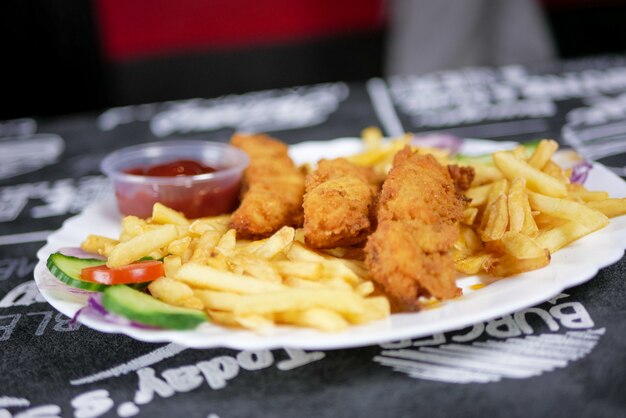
(95, 309)
(48, 281)
(438, 140)
(80, 253)
(580, 171)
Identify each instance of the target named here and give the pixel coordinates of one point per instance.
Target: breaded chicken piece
(418, 213)
(461, 176)
(272, 188)
(338, 204)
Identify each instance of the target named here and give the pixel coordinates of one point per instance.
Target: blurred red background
(140, 28)
(77, 55)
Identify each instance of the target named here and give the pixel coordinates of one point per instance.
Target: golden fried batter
(418, 213)
(272, 188)
(338, 204)
(461, 176)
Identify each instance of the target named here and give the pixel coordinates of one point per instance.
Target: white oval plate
(569, 267)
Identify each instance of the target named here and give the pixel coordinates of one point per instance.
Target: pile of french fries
(523, 207)
(378, 153)
(242, 283)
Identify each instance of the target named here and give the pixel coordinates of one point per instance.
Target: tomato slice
(139, 272)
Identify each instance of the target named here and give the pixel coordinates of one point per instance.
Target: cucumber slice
(529, 147)
(143, 308)
(67, 269)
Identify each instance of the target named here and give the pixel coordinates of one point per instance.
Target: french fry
(299, 236)
(470, 238)
(520, 246)
(299, 252)
(215, 223)
(323, 319)
(227, 243)
(508, 265)
(132, 226)
(495, 247)
(459, 251)
(365, 288)
(472, 264)
(257, 267)
(519, 152)
(495, 219)
(358, 268)
(175, 293)
(335, 252)
(278, 243)
(376, 308)
(370, 158)
(568, 209)
(171, 264)
(179, 246)
(350, 270)
(554, 170)
(578, 192)
(258, 323)
(296, 299)
(320, 284)
(469, 215)
(545, 221)
(217, 301)
(372, 137)
(140, 246)
(478, 194)
(161, 214)
(303, 269)
(536, 180)
(610, 207)
(297, 282)
(282, 301)
(98, 244)
(529, 226)
(498, 188)
(205, 245)
(484, 174)
(206, 277)
(543, 153)
(560, 236)
(516, 200)
(339, 284)
(223, 318)
(219, 262)
(339, 269)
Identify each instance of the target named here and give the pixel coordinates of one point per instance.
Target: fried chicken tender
(461, 176)
(338, 204)
(418, 211)
(272, 188)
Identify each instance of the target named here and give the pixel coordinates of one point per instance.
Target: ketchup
(202, 198)
(175, 168)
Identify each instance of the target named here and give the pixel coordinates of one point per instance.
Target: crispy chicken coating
(461, 176)
(338, 204)
(272, 188)
(418, 211)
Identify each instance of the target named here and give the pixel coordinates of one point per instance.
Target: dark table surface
(52, 367)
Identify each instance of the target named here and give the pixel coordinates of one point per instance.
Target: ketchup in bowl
(176, 168)
(197, 178)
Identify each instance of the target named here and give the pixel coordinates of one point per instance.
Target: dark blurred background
(75, 55)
